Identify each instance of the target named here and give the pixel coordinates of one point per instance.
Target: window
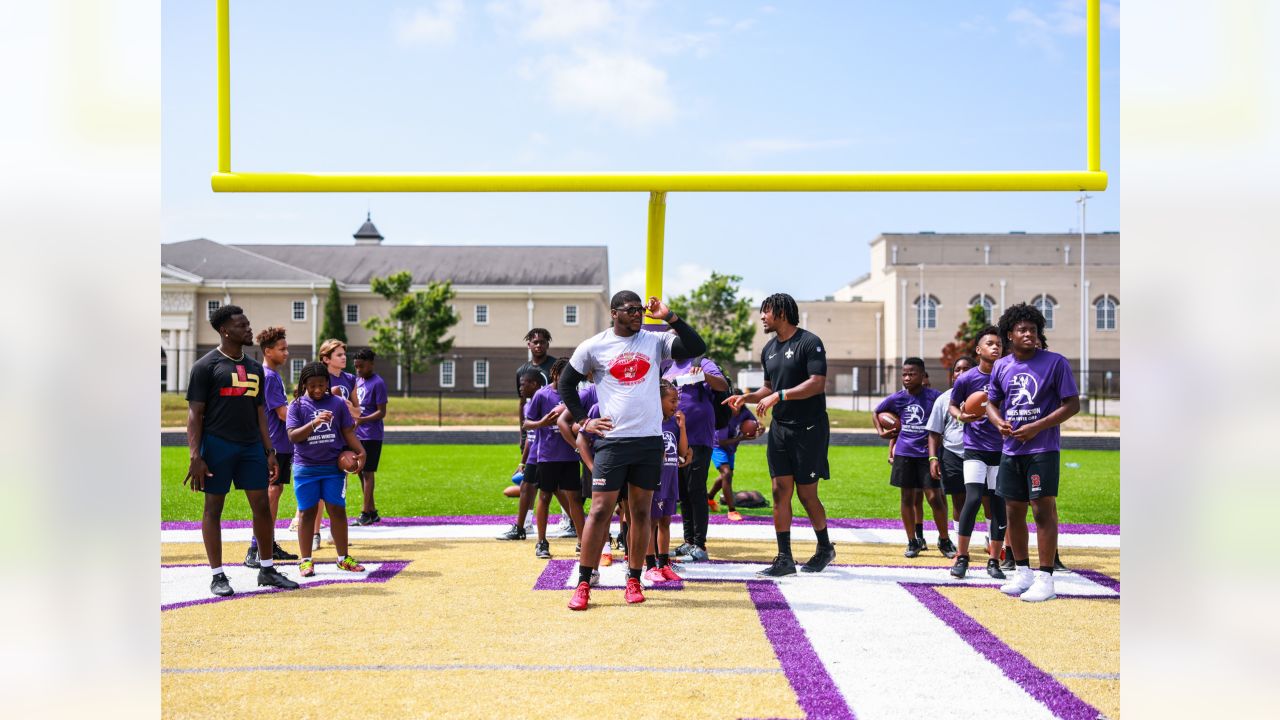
(988, 305)
(353, 314)
(213, 307)
(482, 314)
(1046, 305)
(295, 369)
(1105, 313)
(570, 314)
(480, 370)
(927, 314)
(299, 310)
(446, 373)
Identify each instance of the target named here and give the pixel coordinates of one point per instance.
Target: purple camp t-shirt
(913, 412)
(1026, 391)
(733, 429)
(343, 385)
(589, 395)
(696, 401)
(369, 395)
(531, 437)
(326, 441)
(979, 434)
(668, 492)
(551, 444)
(275, 397)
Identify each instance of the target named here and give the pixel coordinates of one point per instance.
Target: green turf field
(468, 480)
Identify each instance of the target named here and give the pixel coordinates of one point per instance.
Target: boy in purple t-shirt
(722, 456)
(371, 399)
(321, 427)
(1031, 393)
(531, 380)
(911, 458)
(275, 353)
(676, 454)
(557, 460)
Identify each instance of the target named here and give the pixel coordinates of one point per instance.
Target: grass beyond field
(468, 480)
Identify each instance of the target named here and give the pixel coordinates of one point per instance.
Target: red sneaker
(580, 597)
(634, 592)
(669, 574)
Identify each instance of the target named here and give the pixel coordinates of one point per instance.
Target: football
(888, 421)
(347, 461)
(976, 403)
(749, 428)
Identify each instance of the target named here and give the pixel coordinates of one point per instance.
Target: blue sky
(525, 85)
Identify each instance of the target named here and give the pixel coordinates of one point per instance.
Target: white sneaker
(1021, 582)
(1041, 589)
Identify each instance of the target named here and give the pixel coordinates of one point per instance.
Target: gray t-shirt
(626, 371)
(941, 422)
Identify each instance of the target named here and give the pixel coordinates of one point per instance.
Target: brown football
(976, 403)
(888, 421)
(347, 461)
(749, 428)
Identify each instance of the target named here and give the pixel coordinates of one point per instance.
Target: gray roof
(367, 230)
(355, 265)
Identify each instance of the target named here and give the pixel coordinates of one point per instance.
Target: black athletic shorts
(1024, 478)
(372, 453)
(585, 481)
(627, 461)
(563, 475)
(799, 451)
(911, 473)
(530, 474)
(990, 458)
(952, 472)
(285, 461)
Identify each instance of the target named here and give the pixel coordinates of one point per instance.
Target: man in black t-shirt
(229, 442)
(538, 340)
(795, 378)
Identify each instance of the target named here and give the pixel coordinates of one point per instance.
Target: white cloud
(620, 87)
(1065, 19)
(554, 20)
(679, 281)
(436, 25)
(747, 151)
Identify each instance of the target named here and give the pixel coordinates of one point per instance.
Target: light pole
(1084, 323)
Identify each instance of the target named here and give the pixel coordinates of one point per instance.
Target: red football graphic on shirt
(630, 368)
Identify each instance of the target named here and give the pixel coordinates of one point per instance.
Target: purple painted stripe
(815, 691)
(1037, 683)
(555, 576)
(384, 573)
(844, 523)
(1099, 577)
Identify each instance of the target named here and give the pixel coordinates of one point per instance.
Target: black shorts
(911, 473)
(285, 461)
(241, 464)
(553, 476)
(372, 453)
(585, 481)
(799, 451)
(952, 472)
(1024, 478)
(627, 461)
(530, 474)
(990, 458)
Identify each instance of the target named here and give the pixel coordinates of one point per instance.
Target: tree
(333, 321)
(414, 330)
(721, 317)
(966, 336)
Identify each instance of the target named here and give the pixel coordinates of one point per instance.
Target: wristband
(670, 317)
(782, 395)
(932, 458)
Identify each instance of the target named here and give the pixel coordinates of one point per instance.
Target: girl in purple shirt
(676, 454)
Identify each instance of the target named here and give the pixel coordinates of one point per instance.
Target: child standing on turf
(321, 427)
(531, 380)
(275, 352)
(946, 443)
(676, 453)
(558, 473)
(371, 400)
(726, 447)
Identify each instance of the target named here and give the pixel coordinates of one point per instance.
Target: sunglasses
(630, 309)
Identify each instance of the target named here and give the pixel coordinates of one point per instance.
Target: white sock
(265, 562)
(216, 570)
(306, 559)
(340, 557)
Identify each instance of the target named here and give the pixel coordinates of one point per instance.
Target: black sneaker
(921, 545)
(221, 586)
(782, 566)
(993, 569)
(684, 549)
(946, 547)
(251, 557)
(543, 550)
(820, 560)
(271, 576)
(1007, 563)
(960, 568)
(364, 519)
(374, 517)
(278, 553)
(913, 549)
(515, 533)
(1058, 567)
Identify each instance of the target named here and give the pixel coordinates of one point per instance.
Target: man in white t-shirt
(625, 360)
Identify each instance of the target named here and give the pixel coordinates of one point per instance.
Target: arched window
(927, 314)
(1046, 305)
(1104, 313)
(988, 305)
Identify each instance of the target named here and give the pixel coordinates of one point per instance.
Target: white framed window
(213, 306)
(570, 314)
(353, 314)
(482, 314)
(988, 305)
(480, 373)
(446, 373)
(299, 310)
(295, 369)
(927, 313)
(1104, 310)
(1046, 305)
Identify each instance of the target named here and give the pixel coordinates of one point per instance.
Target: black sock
(919, 531)
(664, 559)
(1048, 569)
(823, 540)
(584, 574)
(784, 543)
(964, 557)
(633, 573)
(623, 537)
(1022, 563)
(650, 561)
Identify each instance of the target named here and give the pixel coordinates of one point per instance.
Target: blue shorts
(313, 483)
(720, 457)
(242, 464)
